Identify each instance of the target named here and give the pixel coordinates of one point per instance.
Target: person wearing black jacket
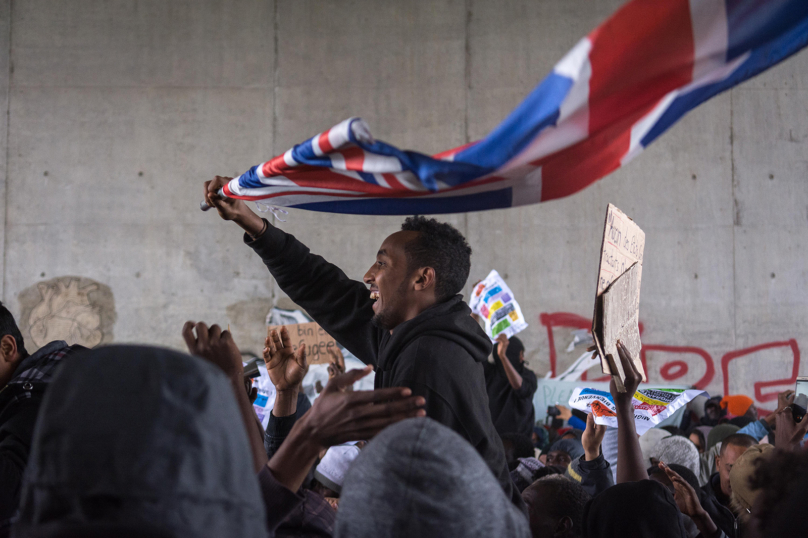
(23, 380)
(510, 386)
(411, 324)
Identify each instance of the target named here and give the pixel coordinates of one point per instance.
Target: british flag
(614, 93)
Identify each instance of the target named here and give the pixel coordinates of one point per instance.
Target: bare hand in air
(285, 367)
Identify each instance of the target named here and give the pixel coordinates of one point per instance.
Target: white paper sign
(493, 301)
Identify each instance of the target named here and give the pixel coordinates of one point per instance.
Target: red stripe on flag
(274, 167)
(394, 183)
(570, 170)
(325, 145)
(354, 158)
(641, 53)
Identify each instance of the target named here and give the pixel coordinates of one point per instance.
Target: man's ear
(424, 278)
(718, 463)
(8, 349)
(563, 527)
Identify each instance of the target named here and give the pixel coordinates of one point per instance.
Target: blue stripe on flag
(367, 177)
(417, 205)
(753, 23)
(760, 59)
(538, 111)
(249, 179)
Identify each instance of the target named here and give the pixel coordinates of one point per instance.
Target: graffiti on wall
(678, 361)
(75, 309)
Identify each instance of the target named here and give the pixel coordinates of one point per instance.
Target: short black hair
(568, 498)
(699, 434)
(440, 246)
(521, 446)
(737, 439)
(9, 326)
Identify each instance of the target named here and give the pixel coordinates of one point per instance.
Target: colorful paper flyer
(493, 301)
(651, 406)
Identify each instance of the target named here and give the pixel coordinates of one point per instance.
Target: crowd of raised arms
(140, 441)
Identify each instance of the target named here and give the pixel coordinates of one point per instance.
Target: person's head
(330, 472)
(135, 435)
(419, 478)
(555, 507)
(529, 470)
(779, 509)
(12, 346)
(676, 449)
(648, 443)
(427, 262)
(562, 452)
(738, 405)
(732, 448)
(696, 437)
(644, 508)
(719, 433)
(515, 351)
(540, 437)
(712, 411)
(744, 493)
(516, 446)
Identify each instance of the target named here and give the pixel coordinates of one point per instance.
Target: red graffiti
(760, 385)
(674, 369)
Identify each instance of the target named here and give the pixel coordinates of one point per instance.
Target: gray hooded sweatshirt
(419, 478)
(133, 435)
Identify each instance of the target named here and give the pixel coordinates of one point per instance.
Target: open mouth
(374, 295)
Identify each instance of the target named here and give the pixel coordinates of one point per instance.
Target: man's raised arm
(340, 305)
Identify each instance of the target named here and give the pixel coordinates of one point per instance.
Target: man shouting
(407, 319)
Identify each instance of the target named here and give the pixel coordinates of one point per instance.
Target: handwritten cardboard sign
(617, 301)
(317, 341)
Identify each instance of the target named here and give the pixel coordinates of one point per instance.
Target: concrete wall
(119, 110)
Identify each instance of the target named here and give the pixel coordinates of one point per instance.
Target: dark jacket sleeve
(279, 501)
(529, 384)
(594, 476)
(340, 305)
(15, 445)
(277, 431)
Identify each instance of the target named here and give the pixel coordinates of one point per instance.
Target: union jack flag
(614, 93)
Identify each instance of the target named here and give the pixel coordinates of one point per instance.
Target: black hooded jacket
(438, 354)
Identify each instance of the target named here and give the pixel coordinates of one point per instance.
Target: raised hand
(216, 346)
(503, 342)
(231, 208)
(632, 381)
(688, 502)
(286, 368)
(631, 468)
(592, 438)
(338, 416)
(787, 433)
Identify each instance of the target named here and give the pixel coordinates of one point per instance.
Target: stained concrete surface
(118, 111)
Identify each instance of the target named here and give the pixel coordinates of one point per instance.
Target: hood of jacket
(132, 434)
(450, 319)
(419, 478)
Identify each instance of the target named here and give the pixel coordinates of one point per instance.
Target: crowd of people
(139, 441)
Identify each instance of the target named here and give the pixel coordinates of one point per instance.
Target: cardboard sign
(493, 300)
(317, 341)
(617, 301)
